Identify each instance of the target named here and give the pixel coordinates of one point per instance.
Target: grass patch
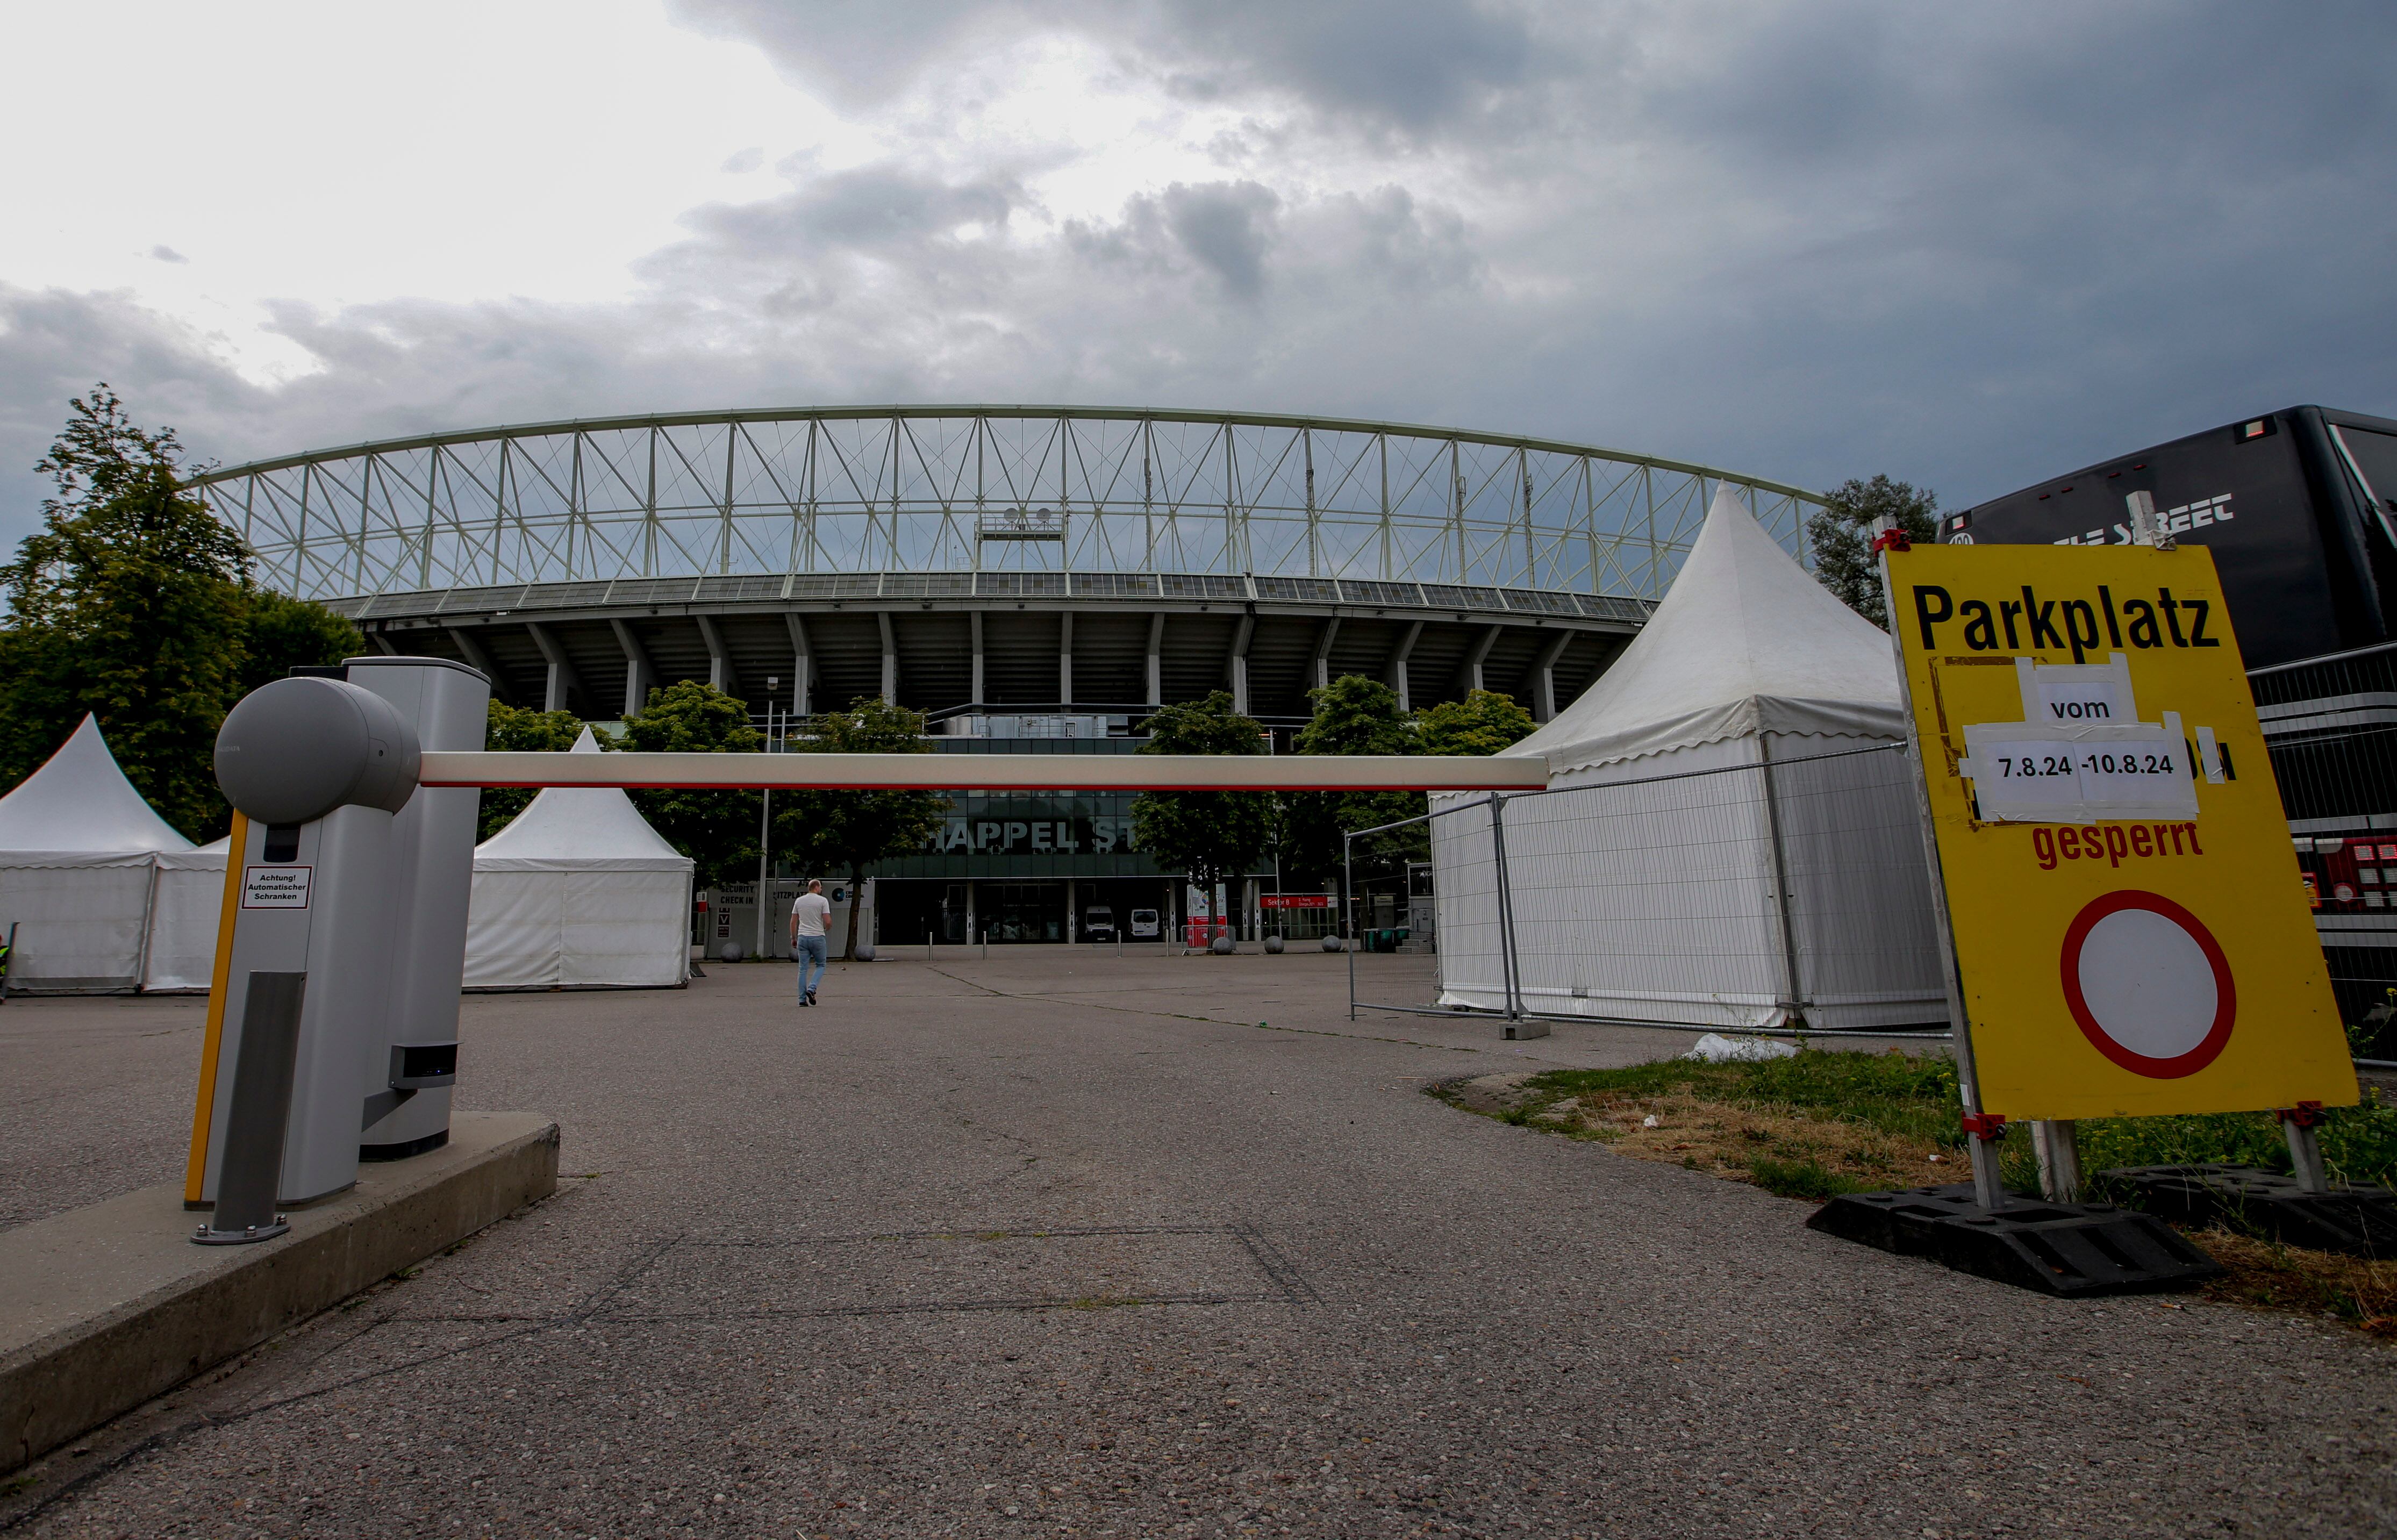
(2359, 1143)
(1813, 1126)
(1881, 1118)
(1799, 1178)
(1827, 1122)
(2270, 1276)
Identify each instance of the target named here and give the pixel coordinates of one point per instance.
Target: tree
(514, 729)
(716, 829)
(1214, 835)
(129, 603)
(1353, 714)
(1484, 722)
(280, 634)
(136, 604)
(1840, 532)
(852, 830)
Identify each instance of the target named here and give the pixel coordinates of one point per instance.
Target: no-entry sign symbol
(2149, 985)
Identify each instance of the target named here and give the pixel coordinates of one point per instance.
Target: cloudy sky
(1970, 246)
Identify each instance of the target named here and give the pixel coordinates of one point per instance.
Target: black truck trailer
(2299, 507)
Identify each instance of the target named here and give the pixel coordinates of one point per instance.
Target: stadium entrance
(909, 910)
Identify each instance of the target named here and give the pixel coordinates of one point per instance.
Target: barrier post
(250, 1170)
(2297, 1124)
(1982, 1130)
(2058, 1143)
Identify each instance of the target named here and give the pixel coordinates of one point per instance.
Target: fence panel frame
(1515, 1008)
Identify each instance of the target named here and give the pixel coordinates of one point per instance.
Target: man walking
(808, 912)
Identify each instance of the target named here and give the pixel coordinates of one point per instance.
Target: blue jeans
(811, 951)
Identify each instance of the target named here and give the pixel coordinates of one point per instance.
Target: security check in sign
(2131, 932)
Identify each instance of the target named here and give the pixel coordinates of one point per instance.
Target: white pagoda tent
(1749, 898)
(80, 853)
(579, 893)
(183, 918)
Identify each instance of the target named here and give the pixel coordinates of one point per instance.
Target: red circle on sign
(2226, 996)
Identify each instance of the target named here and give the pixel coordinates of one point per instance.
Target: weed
(16, 1484)
(2266, 1273)
(1827, 1122)
(1800, 1179)
(2359, 1143)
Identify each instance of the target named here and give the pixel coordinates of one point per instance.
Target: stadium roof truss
(976, 490)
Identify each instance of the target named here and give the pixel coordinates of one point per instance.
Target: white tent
(578, 891)
(183, 916)
(79, 853)
(1749, 898)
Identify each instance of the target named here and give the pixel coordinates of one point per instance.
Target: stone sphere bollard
(865, 951)
(1331, 943)
(1221, 946)
(1273, 945)
(732, 952)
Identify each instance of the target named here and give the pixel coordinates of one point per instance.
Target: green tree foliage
(1840, 533)
(1214, 835)
(515, 730)
(1353, 714)
(135, 604)
(1484, 722)
(716, 829)
(281, 633)
(851, 831)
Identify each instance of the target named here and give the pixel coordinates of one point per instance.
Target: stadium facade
(1016, 572)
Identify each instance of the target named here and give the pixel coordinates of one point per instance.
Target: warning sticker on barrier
(2132, 934)
(274, 887)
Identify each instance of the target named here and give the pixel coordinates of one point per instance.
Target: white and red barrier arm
(990, 771)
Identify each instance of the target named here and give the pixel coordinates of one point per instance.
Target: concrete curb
(105, 1307)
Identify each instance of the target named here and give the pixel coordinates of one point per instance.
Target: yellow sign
(2131, 934)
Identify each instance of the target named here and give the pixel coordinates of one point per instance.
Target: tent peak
(1745, 641)
(80, 800)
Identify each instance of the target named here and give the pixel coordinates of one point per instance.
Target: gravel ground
(1059, 1243)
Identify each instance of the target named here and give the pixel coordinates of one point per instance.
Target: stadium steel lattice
(729, 536)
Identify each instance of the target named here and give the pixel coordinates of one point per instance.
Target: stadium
(1013, 573)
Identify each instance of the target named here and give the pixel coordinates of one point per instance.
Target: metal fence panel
(2331, 726)
(1736, 892)
(1651, 900)
(1851, 836)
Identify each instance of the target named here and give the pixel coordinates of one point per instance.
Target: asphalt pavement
(1060, 1242)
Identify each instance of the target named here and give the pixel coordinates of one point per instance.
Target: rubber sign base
(2359, 1221)
(2074, 1249)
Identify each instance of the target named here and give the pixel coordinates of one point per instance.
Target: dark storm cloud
(1408, 65)
(1968, 246)
(1226, 226)
(879, 207)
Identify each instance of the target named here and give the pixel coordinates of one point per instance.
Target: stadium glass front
(1019, 574)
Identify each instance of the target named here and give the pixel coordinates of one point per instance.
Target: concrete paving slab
(102, 1308)
(1058, 1244)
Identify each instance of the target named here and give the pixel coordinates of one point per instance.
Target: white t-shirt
(809, 914)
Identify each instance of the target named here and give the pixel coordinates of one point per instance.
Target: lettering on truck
(2178, 521)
